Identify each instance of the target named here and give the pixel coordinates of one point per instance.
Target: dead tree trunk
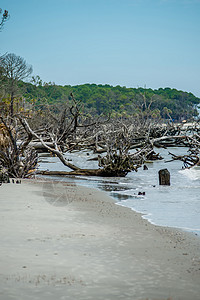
(19, 160)
(117, 163)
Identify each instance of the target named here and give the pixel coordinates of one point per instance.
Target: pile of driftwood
(121, 145)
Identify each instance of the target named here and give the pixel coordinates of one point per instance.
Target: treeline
(17, 95)
(117, 100)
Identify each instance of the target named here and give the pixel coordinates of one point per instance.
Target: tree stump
(164, 177)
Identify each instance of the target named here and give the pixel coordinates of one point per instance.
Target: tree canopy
(120, 101)
(13, 68)
(96, 99)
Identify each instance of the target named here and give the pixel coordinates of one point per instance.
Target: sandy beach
(61, 241)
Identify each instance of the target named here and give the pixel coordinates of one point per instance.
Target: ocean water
(177, 205)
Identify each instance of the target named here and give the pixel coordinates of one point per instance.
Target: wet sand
(60, 241)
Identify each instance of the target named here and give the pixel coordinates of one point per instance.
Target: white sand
(59, 241)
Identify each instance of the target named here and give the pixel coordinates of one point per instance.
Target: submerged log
(153, 156)
(164, 177)
(85, 172)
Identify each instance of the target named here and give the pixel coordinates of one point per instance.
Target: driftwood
(72, 131)
(4, 176)
(117, 142)
(17, 158)
(4, 137)
(85, 172)
(116, 167)
(153, 156)
(189, 160)
(114, 140)
(117, 162)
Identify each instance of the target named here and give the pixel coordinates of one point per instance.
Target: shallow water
(177, 205)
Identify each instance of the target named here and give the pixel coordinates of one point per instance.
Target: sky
(132, 43)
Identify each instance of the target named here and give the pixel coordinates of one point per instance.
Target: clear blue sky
(152, 43)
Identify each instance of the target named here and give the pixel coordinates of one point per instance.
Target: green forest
(115, 100)
(95, 99)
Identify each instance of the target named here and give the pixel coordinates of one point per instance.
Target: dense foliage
(120, 101)
(99, 99)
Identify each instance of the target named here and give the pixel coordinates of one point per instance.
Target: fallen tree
(118, 140)
(117, 162)
(18, 159)
(189, 160)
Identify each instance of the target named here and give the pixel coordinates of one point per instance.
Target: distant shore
(62, 241)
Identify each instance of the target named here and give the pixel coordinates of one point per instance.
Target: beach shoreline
(65, 241)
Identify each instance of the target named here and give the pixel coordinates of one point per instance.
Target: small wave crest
(192, 173)
(130, 193)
